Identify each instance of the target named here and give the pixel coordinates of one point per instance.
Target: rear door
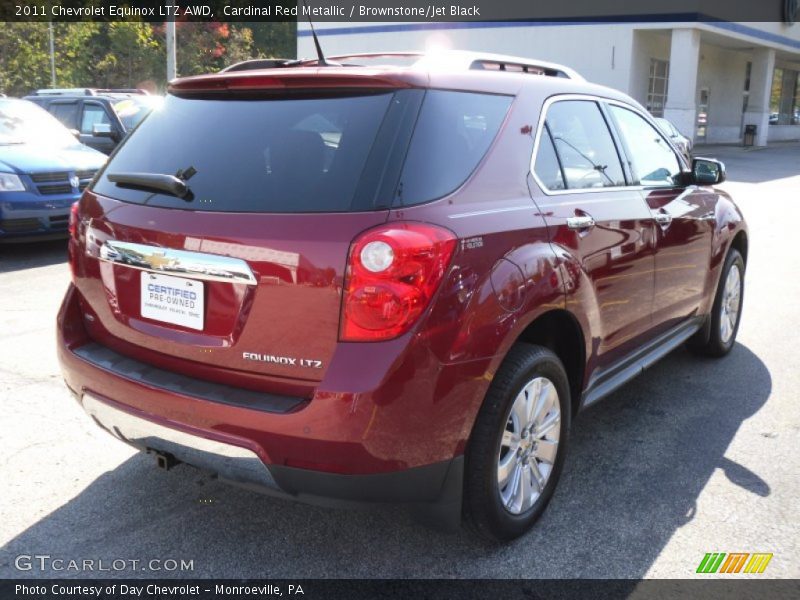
(603, 230)
(684, 216)
(65, 111)
(244, 274)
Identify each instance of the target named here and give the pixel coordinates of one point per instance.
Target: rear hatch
(241, 266)
(215, 241)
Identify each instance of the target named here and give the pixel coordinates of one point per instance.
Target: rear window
(132, 110)
(309, 154)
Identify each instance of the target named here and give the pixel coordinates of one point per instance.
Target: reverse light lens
(10, 183)
(392, 275)
(377, 256)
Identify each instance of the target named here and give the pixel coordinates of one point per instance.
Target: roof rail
(64, 92)
(138, 91)
(457, 60)
(87, 91)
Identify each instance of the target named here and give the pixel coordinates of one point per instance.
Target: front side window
(652, 160)
(582, 140)
(93, 114)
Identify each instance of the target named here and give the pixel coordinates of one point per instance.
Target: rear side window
(297, 154)
(584, 145)
(66, 112)
(453, 132)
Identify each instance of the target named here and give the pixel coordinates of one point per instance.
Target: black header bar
(344, 11)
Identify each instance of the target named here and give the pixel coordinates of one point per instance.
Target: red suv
(364, 283)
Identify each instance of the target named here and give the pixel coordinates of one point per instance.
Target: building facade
(710, 79)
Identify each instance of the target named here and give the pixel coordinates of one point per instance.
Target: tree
(24, 57)
(133, 57)
(130, 54)
(274, 40)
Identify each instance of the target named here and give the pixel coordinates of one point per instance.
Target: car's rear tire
(516, 451)
(726, 313)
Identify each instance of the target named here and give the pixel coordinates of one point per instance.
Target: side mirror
(707, 171)
(102, 130)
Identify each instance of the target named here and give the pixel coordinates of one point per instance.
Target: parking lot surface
(695, 456)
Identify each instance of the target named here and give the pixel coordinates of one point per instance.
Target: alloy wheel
(529, 445)
(731, 302)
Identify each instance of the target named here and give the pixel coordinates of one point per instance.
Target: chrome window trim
(601, 100)
(181, 263)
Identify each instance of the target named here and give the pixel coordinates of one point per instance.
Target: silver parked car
(683, 143)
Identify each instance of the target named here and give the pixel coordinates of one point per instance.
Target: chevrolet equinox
(390, 278)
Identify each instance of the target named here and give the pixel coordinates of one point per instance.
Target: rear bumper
(232, 461)
(362, 444)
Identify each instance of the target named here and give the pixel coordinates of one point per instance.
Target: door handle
(580, 222)
(663, 218)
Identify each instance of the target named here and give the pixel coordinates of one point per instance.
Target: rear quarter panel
(729, 221)
(504, 273)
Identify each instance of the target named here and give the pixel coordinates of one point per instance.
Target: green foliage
(132, 57)
(24, 62)
(128, 53)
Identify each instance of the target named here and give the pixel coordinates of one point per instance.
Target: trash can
(750, 135)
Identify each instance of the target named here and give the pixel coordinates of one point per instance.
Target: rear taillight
(393, 272)
(73, 234)
(73, 221)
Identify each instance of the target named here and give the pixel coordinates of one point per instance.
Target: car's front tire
(726, 312)
(516, 451)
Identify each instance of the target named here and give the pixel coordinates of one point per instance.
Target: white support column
(760, 90)
(684, 58)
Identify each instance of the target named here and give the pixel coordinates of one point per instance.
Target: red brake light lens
(73, 221)
(393, 272)
(73, 237)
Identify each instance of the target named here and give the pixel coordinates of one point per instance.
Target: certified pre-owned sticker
(173, 300)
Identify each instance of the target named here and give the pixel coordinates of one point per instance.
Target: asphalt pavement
(695, 456)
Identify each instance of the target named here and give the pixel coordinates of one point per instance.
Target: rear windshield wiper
(157, 182)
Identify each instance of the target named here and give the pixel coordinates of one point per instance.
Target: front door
(602, 229)
(94, 113)
(684, 216)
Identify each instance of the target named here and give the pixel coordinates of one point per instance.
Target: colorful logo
(735, 562)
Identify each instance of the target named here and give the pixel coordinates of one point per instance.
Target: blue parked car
(43, 170)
